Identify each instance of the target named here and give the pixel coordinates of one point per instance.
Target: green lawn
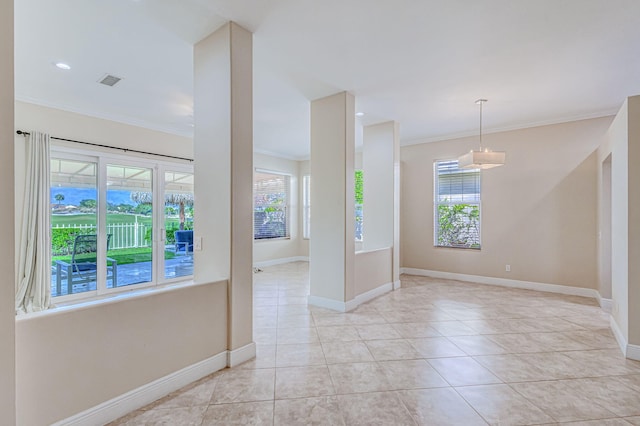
(122, 256)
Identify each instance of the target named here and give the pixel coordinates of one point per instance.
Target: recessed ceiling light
(63, 66)
(359, 114)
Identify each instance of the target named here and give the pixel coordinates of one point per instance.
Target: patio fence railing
(123, 235)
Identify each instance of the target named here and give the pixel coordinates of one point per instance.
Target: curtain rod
(20, 132)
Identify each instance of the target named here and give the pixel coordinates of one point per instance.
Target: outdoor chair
(184, 242)
(83, 266)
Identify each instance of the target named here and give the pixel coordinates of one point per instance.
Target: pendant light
(484, 158)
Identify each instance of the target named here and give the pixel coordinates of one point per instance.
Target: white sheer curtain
(33, 281)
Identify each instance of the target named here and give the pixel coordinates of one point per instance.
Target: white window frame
(474, 201)
(157, 167)
(287, 204)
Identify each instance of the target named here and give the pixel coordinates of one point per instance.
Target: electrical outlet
(197, 244)
(507, 268)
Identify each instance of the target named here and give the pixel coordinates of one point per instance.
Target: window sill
(259, 240)
(458, 247)
(92, 302)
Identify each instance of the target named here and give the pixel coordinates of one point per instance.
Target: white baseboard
(350, 305)
(146, 394)
(629, 351)
(280, 261)
(503, 282)
(605, 304)
(633, 352)
(617, 333)
(240, 355)
(397, 285)
(323, 302)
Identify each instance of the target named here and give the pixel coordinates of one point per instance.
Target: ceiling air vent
(109, 80)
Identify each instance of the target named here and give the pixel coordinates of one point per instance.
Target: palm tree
(59, 198)
(179, 198)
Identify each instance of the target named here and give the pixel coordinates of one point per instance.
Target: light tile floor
(434, 352)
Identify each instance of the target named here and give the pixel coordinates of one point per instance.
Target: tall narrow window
(271, 205)
(306, 206)
(74, 225)
(359, 200)
(178, 224)
(131, 241)
(457, 206)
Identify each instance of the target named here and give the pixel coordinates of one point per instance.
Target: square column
(332, 242)
(381, 166)
(633, 212)
(7, 188)
(223, 151)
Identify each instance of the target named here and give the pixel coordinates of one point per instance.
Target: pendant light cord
(481, 101)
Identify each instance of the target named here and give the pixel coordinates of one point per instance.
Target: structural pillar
(7, 189)
(381, 167)
(633, 212)
(223, 151)
(332, 242)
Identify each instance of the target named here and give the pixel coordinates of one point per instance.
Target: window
(359, 199)
(178, 223)
(306, 206)
(306, 203)
(270, 205)
(104, 220)
(457, 206)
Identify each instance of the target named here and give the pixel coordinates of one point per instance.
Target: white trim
(280, 261)
(178, 130)
(323, 302)
(528, 125)
(633, 352)
(628, 350)
(240, 355)
(617, 333)
(146, 394)
(350, 305)
(605, 304)
(397, 284)
(528, 285)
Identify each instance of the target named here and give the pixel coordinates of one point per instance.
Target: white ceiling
(422, 63)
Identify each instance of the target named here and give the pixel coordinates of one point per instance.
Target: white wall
(71, 361)
(539, 211)
(372, 269)
(7, 252)
(273, 250)
(616, 145)
(378, 173)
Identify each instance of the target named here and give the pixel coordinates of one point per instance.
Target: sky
(73, 196)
